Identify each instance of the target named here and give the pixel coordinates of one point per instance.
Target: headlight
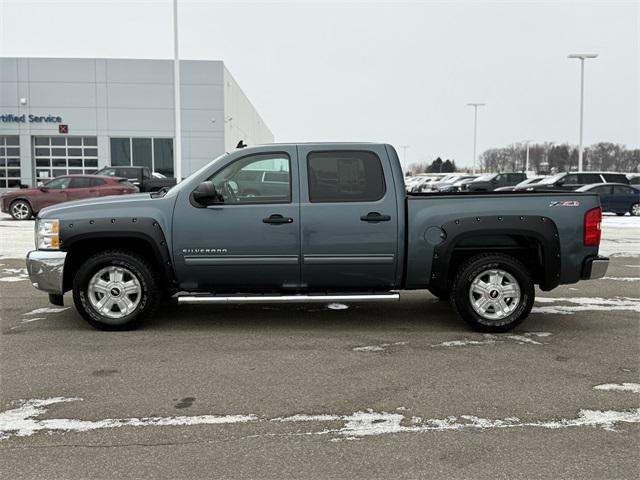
(47, 234)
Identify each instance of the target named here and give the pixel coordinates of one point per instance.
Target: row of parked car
(619, 193)
(25, 203)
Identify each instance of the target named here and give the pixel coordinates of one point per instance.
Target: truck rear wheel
(115, 290)
(493, 292)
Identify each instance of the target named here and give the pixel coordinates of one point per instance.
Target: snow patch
(491, 339)
(39, 311)
(22, 421)
(585, 304)
(622, 279)
(337, 306)
(619, 387)
(377, 348)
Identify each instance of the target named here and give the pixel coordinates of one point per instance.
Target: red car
(24, 203)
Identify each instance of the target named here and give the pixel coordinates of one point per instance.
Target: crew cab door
(244, 241)
(349, 218)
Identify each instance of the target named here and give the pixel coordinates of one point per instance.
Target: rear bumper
(46, 270)
(595, 268)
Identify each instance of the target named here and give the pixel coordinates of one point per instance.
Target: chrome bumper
(46, 270)
(596, 268)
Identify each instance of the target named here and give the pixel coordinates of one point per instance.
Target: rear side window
(615, 178)
(80, 182)
(96, 182)
(602, 190)
(587, 178)
(348, 176)
(622, 190)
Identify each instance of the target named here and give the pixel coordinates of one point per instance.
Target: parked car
(616, 197)
(451, 183)
(573, 181)
(24, 203)
(634, 179)
(528, 181)
(141, 177)
(345, 231)
(491, 181)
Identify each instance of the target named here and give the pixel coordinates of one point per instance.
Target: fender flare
(540, 228)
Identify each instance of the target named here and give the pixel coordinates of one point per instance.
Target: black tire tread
(154, 291)
(487, 257)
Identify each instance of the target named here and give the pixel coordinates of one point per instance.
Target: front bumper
(595, 268)
(46, 270)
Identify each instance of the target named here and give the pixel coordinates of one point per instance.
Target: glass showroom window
(9, 161)
(155, 153)
(56, 156)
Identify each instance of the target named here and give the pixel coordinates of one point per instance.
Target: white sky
(394, 72)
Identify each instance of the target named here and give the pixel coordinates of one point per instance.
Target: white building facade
(62, 116)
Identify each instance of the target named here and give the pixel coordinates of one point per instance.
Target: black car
(141, 177)
(491, 181)
(616, 197)
(573, 181)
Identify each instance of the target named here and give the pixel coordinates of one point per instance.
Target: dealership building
(62, 116)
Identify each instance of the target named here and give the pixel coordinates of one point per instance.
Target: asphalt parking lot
(400, 390)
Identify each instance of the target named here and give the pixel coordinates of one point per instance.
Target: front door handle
(375, 217)
(277, 219)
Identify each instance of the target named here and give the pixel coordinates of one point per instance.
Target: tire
(510, 275)
(441, 295)
(110, 275)
(21, 210)
(635, 210)
(621, 214)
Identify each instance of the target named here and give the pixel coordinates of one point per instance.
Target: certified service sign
(24, 118)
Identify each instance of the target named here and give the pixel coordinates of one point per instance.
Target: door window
(58, 183)
(262, 178)
(348, 176)
(570, 179)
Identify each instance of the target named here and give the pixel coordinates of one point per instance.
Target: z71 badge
(568, 203)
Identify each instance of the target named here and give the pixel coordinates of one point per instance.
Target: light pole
(475, 130)
(527, 142)
(581, 57)
(404, 155)
(177, 150)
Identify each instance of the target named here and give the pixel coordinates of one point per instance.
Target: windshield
(485, 177)
(552, 179)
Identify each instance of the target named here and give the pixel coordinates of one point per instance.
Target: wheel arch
(143, 237)
(533, 240)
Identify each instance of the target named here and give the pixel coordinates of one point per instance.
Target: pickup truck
(343, 230)
(141, 177)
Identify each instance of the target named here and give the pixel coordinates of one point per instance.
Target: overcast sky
(393, 72)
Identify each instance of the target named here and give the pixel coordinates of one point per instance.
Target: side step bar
(205, 299)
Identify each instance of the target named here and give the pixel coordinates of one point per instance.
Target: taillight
(592, 230)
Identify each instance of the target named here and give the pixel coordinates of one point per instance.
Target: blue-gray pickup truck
(314, 222)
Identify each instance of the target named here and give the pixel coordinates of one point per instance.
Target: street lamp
(475, 130)
(581, 57)
(176, 96)
(527, 142)
(404, 155)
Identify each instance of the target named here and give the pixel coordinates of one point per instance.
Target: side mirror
(560, 182)
(44, 189)
(205, 194)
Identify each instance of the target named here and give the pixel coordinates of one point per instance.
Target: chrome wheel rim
(20, 210)
(114, 292)
(494, 294)
(635, 209)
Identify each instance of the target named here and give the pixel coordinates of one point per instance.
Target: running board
(204, 299)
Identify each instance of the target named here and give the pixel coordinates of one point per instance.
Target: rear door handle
(375, 217)
(277, 219)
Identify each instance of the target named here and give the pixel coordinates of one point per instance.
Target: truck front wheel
(493, 292)
(115, 290)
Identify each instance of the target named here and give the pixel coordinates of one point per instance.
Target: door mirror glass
(206, 194)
